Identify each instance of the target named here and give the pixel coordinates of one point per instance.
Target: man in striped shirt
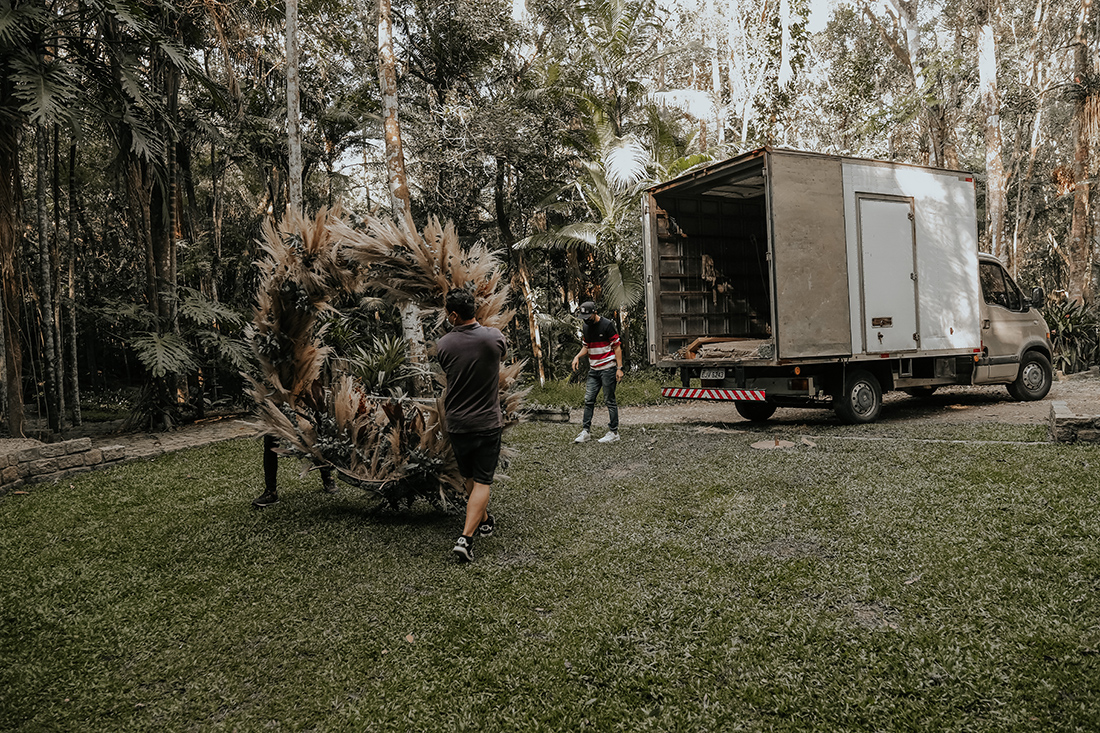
(605, 369)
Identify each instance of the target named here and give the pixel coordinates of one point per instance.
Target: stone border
(538, 413)
(55, 461)
(1066, 427)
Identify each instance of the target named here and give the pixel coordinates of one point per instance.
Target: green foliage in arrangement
(383, 367)
(677, 580)
(1075, 334)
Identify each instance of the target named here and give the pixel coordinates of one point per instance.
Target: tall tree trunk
(622, 322)
(139, 197)
(909, 51)
(715, 73)
(293, 115)
(70, 300)
(172, 230)
(1025, 207)
(400, 201)
(996, 180)
(387, 80)
(215, 222)
(1080, 235)
(520, 275)
(11, 288)
(55, 275)
(162, 232)
(45, 284)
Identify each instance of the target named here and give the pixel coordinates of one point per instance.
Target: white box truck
(785, 278)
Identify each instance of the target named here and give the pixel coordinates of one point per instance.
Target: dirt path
(952, 405)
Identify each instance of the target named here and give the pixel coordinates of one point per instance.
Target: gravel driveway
(950, 405)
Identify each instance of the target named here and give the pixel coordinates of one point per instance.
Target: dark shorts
(477, 454)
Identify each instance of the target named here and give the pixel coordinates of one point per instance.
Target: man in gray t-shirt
(470, 355)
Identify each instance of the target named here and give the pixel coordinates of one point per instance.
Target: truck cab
(1016, 347)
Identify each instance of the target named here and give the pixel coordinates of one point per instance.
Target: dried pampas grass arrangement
(391, 445)
(424, 267)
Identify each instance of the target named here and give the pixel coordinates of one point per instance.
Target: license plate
(712, 374)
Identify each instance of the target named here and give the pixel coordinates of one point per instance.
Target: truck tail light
(799, 385)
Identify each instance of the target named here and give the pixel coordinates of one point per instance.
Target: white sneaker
(611, 437)
(584, 437)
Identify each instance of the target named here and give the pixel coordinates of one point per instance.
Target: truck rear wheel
(861, 400)
(1033, 381)
(754, 411)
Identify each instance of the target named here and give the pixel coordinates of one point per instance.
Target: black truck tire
(1034, 379)
(861, 399)
(754, 411)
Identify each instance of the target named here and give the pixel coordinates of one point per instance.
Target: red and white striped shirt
(601, 338)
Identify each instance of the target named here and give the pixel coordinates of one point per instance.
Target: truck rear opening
(712, 265)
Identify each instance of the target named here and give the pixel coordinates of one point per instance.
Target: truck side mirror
(1038, 297)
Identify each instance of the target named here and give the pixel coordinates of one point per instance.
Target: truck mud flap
(710, 393)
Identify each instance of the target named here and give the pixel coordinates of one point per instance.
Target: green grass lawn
(676, 581)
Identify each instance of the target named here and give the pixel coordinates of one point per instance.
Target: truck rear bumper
(714, 393)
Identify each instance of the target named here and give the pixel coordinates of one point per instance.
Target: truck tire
(922, 393)
(754, 411)
(861, 400)
(1033, 381)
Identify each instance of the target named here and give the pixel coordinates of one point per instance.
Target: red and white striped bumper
(709, 393)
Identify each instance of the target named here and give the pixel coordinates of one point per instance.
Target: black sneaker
(464, 549)
(485, 529)
(269, 497)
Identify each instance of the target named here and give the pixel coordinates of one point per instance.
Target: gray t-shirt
(470, 356)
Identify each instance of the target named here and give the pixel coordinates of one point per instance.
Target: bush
(1075, 334)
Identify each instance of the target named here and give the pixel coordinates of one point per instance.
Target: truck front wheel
(861, 400)
(1033, 381)
(754, 411)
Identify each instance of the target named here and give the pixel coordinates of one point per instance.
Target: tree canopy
(143, 145)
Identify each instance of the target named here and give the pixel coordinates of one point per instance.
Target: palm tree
(606, 200)
(618, 45)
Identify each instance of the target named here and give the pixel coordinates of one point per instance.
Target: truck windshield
(998, 288)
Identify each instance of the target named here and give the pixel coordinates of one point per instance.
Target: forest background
(143, 144)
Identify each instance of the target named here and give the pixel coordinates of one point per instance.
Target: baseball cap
(587, 308)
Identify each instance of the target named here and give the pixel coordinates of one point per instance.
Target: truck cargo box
(777, 256)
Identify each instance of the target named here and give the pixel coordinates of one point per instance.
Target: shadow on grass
(307, 513)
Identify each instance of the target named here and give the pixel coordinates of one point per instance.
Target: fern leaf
(163, 354)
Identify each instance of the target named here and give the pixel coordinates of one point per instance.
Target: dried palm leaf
(392, 446)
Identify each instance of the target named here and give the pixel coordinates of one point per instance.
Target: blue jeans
(605, 379)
